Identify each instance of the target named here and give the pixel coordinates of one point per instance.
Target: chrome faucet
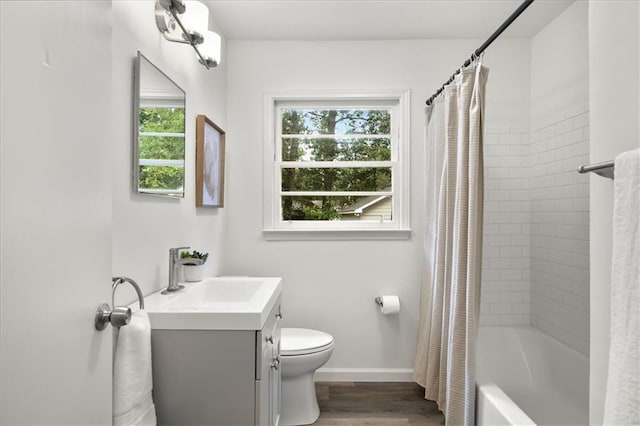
(174, 268)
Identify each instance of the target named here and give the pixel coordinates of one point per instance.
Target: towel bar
(120, 315)
(606, 169)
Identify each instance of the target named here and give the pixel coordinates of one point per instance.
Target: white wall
(559, 196)
(55, 249)
(560, 64)
(614, 43)
(331, 285)
(145, 227)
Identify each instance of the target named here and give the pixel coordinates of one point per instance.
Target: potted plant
(193, 269)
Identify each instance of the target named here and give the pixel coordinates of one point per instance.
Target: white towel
(622, 402)
(132, 380)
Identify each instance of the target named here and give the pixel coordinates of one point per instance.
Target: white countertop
(216, 303)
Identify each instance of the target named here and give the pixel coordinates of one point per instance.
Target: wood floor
(348, 403)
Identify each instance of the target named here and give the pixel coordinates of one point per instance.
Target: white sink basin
(218, 303)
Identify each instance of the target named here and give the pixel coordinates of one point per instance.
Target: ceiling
(378, 19)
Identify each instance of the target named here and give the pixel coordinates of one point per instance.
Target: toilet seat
(303, 341)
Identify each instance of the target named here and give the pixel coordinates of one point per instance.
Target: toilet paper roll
(389, 305)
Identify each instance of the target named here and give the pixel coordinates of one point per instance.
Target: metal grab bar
(606, 169)
(120, 315)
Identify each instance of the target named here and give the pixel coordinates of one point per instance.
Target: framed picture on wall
(210, 141)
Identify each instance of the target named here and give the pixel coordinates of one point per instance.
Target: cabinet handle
(275, 364)
(279, 315)
(269, 339)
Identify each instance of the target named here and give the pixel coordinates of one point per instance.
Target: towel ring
(119, 280)
(120, 315)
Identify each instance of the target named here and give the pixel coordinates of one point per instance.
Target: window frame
(398, 228)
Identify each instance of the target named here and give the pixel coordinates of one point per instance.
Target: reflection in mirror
(159, 123)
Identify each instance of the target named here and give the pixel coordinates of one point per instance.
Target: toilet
(302, 352)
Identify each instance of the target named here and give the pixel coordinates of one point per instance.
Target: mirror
(159, 124)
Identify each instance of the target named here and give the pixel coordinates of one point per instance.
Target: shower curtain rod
(484, 45)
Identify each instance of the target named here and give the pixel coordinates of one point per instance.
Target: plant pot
(193, 273)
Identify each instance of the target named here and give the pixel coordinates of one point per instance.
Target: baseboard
(364, 375)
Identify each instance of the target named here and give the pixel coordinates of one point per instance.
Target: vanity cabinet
(218, 377)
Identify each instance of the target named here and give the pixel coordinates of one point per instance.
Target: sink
(217, 303)
(218, 292)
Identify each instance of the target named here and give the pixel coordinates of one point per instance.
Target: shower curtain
(450, 296)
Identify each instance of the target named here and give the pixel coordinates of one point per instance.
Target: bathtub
(525, 377)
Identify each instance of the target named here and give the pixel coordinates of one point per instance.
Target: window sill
(335, 234)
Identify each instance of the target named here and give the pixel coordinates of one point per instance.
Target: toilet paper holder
(388, 305)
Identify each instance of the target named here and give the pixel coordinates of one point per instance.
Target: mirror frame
(136, 128)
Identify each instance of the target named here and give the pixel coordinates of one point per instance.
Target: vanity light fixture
(210, 50)
(187, 22)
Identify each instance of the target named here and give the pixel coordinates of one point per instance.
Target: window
(336, 166)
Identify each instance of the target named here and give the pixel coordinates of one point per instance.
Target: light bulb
(210, 49)
(195, 18)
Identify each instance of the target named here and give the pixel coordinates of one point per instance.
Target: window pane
(374, 208)
(297, 121)
(161, 177)
(169, 120)
(336, 179)
(161, 147)
(333, 149)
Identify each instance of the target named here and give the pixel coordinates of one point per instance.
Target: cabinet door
(263, 376)
(275, 381)
(268, 371)
(276, 372)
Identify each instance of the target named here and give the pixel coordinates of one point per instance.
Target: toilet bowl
(302, 352)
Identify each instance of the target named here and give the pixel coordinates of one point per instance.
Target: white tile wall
(560, 228)
(536, 228)
(505, 277)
